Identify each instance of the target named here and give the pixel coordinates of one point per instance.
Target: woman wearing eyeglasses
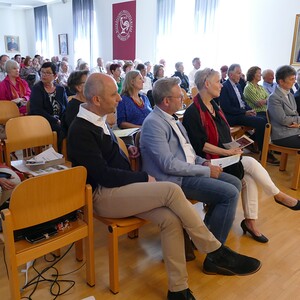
(134, 107)
(49, 99)
(208, 130)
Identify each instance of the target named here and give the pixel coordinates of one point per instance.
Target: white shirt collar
(93, 118)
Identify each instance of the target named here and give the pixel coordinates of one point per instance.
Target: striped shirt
(253, 94)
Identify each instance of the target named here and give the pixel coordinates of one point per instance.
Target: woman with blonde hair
(134, 107)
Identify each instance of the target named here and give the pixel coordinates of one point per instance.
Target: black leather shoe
(295, 207)
(181, 295)
(258, 238)
(272, 160)
(227, 262)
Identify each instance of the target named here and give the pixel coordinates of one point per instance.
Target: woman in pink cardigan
(13, 87)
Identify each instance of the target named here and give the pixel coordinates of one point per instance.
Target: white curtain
(186, 29)
(41, 31)
(83, 26)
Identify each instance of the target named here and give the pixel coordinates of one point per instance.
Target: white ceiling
(25, 3)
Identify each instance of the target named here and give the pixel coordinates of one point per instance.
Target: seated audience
(282, 110)
(100, 66)
(208, 131)
(116, 71)
(127, 67)
(147, 85)
(13, 87)
(268, 81)
(49, 99)
(75, 83)
(238, 112)
(84, 66)
(149, 73)
(255, 95)
(107, 67)
(29, 73)
(167, 155)
(63, 74)
(196, 64)
(297, 99)
(180, 73)
(223, 70)
(296, 85)
(118, 192)
(3, 59)
(158, 72)
(134, 107)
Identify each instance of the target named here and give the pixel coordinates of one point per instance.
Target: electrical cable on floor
(55, 288)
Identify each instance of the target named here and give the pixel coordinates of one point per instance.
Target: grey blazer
(282, 112)
(162, 154)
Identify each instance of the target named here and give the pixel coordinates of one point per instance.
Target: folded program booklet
(241, 142)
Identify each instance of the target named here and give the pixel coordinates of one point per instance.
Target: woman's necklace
(138, 101)
(211, 109)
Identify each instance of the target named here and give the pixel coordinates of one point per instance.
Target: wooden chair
(41, 199)
(28, 132)
(187, 101)
(285, 151)
(118, 227)
(8, 110)
(194, 91)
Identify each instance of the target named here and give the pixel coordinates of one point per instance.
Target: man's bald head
(95, 85)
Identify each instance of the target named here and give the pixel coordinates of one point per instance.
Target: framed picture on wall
(295, 55)
(12, 43)
(63, 44)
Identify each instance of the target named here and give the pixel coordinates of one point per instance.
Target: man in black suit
(12, 45)
(238, 112)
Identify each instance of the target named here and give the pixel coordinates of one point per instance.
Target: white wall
(251, 32)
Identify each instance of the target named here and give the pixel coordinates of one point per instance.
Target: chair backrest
(47, 197)
(194, 91)
(8, 110)
(123, 146)
(186, 99)
(28, 132)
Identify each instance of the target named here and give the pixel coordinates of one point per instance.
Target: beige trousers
(164, 204)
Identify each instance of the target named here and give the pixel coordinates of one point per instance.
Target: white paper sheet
(225, 161)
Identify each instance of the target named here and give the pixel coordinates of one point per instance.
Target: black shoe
(181, 295)
(295, 207)
(272, 160)
(227, 262)
(253, 148)
(259, 238)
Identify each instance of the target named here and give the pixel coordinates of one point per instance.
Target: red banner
(124, 23)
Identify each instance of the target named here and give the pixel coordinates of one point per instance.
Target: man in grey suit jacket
(282, 110)
(168, 156)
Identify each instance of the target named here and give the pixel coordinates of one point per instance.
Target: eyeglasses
(46, 73)
(176, 97)
(82, 82)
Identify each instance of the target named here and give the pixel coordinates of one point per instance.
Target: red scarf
(209, 125)
(14, 92)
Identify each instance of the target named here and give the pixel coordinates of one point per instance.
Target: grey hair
(232, 68)
(265, 72)
(10, 64)
(202, 75)
(178, 64)
(162, 88)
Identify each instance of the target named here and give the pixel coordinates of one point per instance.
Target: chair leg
(14, 283)
(283, 161)
(296, 173)
(113, 248)
(264, 155)
(90, 260)
(79, 250)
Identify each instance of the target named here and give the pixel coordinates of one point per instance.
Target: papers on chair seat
(225, 161)
(125, 132)
(20, 165)
(241, 142)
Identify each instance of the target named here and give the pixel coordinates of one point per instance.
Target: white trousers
(255, 175)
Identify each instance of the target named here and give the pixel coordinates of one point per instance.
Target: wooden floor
(142, 273)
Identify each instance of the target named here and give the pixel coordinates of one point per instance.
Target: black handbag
(236, 170)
